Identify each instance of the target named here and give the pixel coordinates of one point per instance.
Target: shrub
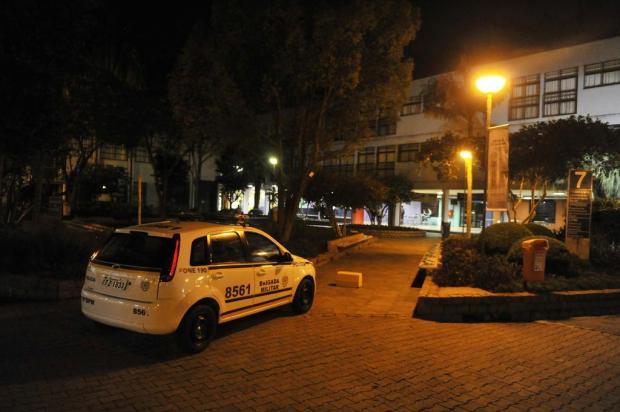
(540, 230)
(51, 251)
(558, 256)
(494, 271)
(498, 238)
(464, 265)
(458, 262)
(605, 241)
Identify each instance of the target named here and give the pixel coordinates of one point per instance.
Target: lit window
(408, 152)
(525, 97)
(386, 160)
(602, 74)
(113, 152)
(141, 154)
(366, 160)
(413, 106)
(385, 127)
(560, 92)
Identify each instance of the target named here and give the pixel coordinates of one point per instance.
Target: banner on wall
(497, 169)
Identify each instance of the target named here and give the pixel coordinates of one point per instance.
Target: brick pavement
(53, 359)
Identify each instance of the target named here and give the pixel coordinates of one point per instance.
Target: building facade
(579, 80)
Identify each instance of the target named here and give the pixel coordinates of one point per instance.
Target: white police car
(187, 277)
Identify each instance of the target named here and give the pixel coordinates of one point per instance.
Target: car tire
(304, 296)
(197, 329)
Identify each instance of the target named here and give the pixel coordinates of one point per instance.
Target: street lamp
(273, 161)
(466, 155)
(488, 85)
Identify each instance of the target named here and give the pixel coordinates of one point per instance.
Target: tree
(452, 97)
(233, 176)
(317, 72)
(205, 101)
(543, 153)
(442, 154)
(45, 46)
(383, 193)
(329, 190)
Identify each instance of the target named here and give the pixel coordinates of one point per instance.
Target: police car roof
(170, 227)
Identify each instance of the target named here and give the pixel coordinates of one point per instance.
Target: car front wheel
(197, 329)
(304, 297)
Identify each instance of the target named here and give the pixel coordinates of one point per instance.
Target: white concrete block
(349, 279)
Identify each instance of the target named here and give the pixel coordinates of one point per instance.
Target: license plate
(117, 283)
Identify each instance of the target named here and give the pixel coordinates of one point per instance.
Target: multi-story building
(579, 80)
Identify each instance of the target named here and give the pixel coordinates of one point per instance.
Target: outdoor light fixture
(490, 84)
(273, 160)
(465, 154)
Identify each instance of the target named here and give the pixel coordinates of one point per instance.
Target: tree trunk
(331, 216)
(37, 181)
(289, 214)
(2, 163)
(257, 187)
(198, 172)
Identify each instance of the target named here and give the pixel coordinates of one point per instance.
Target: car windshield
(136, 249)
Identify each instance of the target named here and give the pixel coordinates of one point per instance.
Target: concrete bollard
(349, 279)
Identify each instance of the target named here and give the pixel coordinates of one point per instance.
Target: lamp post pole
(488, 85)
(467, 157)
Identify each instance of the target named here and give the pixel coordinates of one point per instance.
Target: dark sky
(477, 30)
(483, 30)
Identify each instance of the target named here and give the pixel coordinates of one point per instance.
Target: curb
(324, 258)
(483, 306)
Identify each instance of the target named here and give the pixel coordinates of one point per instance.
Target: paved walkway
(388, 267)
(337, 357)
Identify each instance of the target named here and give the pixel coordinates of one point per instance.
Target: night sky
(482, 31)
(477, 30)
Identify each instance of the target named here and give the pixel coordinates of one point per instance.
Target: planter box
(465, 304)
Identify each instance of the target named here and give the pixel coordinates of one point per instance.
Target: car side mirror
(285, 258)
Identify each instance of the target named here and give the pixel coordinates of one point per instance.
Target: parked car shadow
(64, 344)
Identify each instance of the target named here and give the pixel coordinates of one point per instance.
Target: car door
(232, 276)
(272, 277)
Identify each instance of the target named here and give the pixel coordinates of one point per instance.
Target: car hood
(299, 259)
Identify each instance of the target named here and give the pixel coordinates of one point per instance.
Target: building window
(385, 127)
(347, 163)
(366, 160)
(545, 212)
(386, 160)
(413, 106)
(341, 165)
(113, 152)
(525, 97)
(602, 74)
(408, 152)
(141, 154)
(560, 92)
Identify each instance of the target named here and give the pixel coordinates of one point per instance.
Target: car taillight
(167, 276)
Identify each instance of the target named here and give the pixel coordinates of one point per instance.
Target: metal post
(486, 156)
(469, 194)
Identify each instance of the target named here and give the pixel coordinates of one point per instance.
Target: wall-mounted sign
(579, 212)
(497, 168)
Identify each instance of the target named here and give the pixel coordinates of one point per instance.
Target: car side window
(227, 248)
(198, 256)
(261, 249)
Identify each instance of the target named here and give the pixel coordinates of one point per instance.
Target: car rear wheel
(197, 329)
(304, 296)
